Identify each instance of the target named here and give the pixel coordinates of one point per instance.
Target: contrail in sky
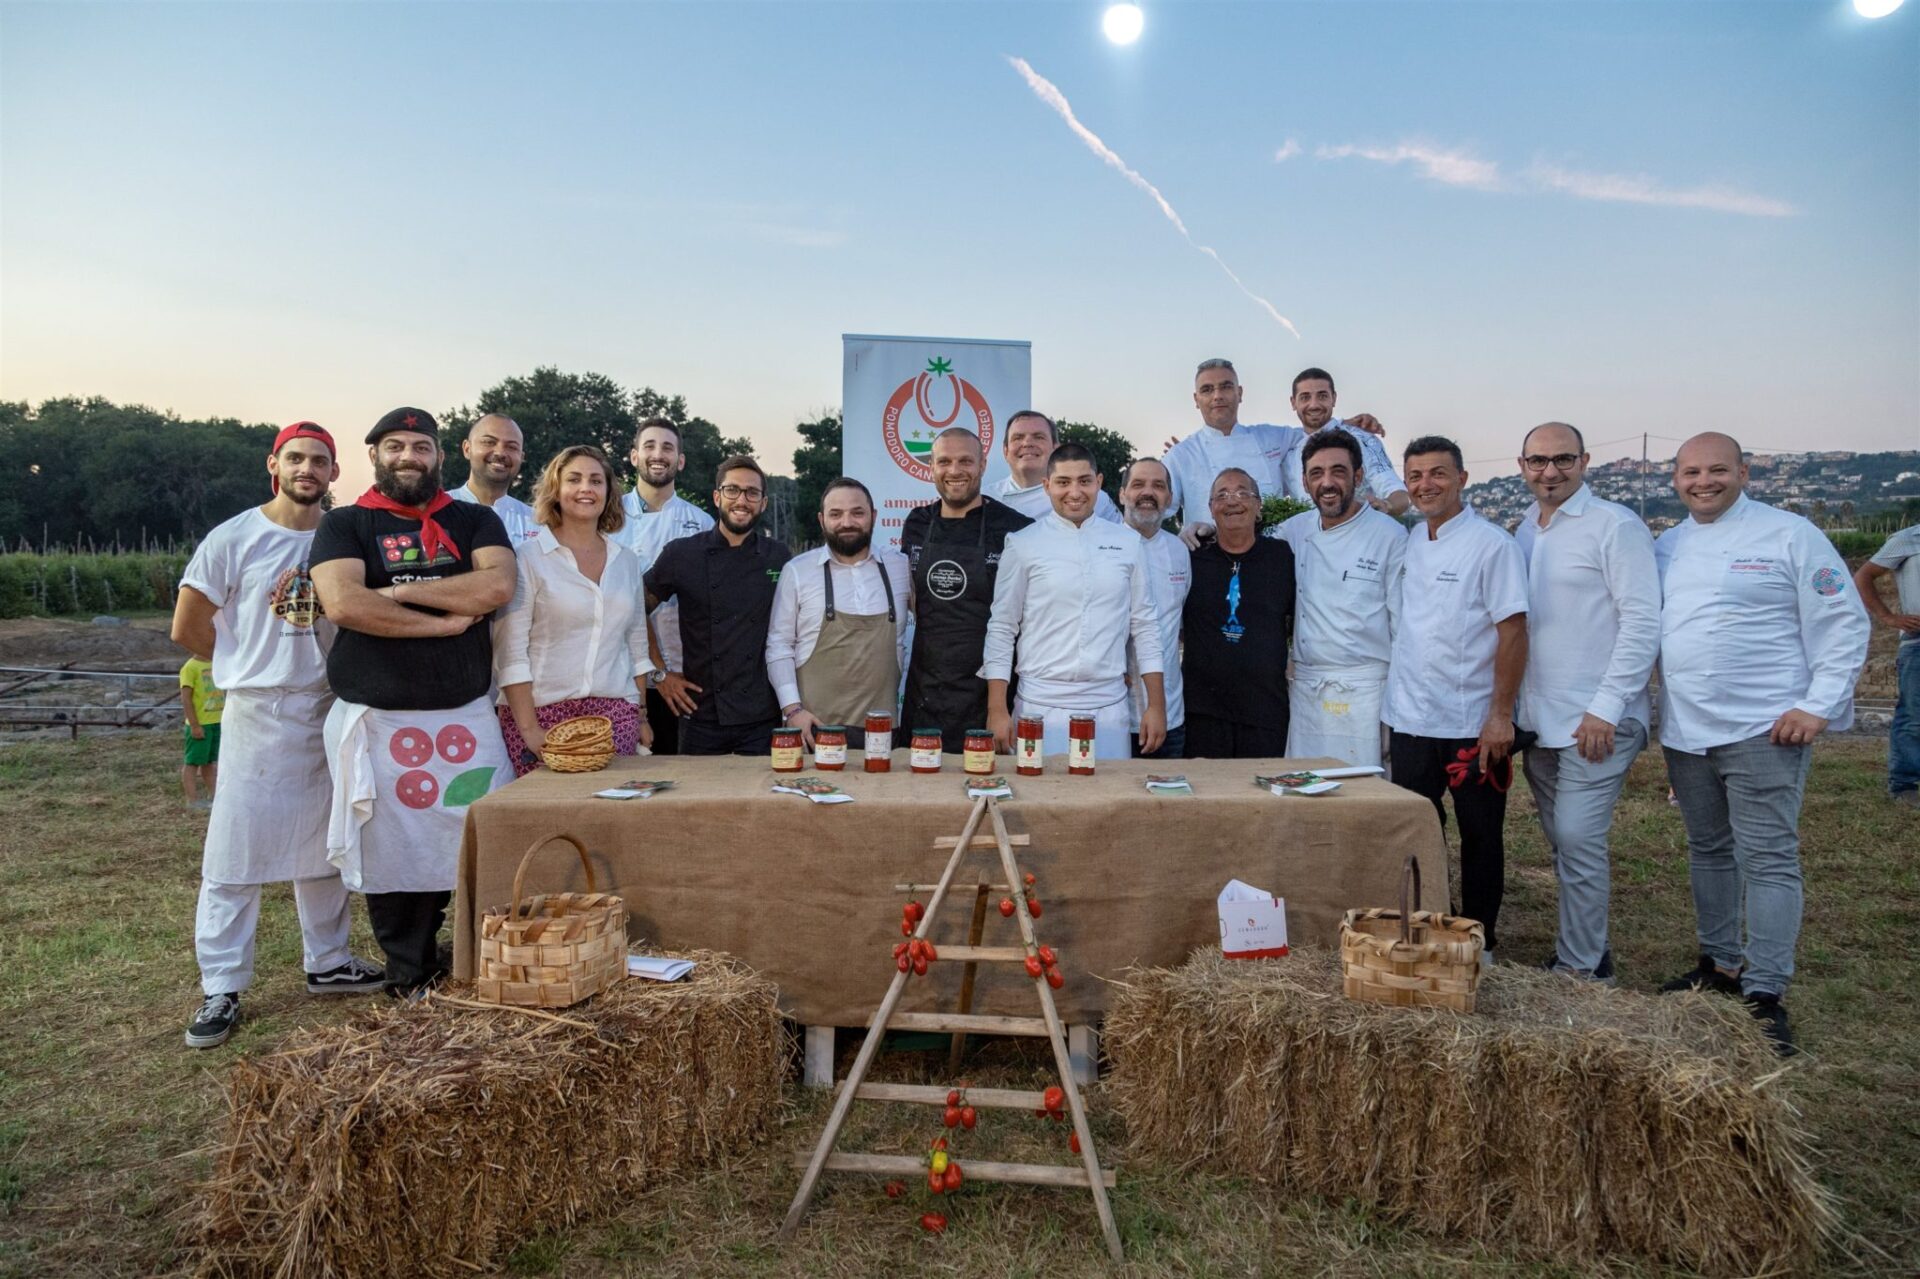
(1045, 90)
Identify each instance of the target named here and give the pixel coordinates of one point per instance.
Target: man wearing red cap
(247, 605)
(409, 576)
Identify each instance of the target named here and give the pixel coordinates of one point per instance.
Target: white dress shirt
(1258, 449)
(1593, 616)
(645, 533)
(1346, 603)
(568, 636)
(515, 514)
(800, 608)
(1759, 617)
(1071, 597)
(1383, 478)
(1458, 588)
(1169, 576)
(1033, 502)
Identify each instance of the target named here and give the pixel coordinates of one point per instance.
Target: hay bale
(1562, 1116)
(429, 1139)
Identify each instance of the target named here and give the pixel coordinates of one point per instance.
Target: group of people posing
(389, 661)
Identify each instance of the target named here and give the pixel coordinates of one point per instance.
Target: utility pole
(1643, 477)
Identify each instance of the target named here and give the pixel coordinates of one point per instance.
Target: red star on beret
(411, 420)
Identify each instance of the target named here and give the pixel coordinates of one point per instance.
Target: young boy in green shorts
(200, 705)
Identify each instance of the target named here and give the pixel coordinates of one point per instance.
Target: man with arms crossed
(410, 577)
(495, 451)
(954, 547)
(1761, 639)
(1030, 441)
(1900, 557)
(247, 604)
(656, 515)
(1145, 489)
(1458, 658)
(1071, 591)
(1593, 617)
(1347, 558)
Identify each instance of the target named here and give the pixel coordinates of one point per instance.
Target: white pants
(1335, 713)
(1112, 727)
(224, 925)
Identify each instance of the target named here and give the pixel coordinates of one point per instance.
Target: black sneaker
(1772, 1016)
(1603, 973)
(354, 977)
(214, 1022)
(1703, 977)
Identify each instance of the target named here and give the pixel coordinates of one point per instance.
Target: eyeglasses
(732, 491)
(1559, 461)
(1231, 495)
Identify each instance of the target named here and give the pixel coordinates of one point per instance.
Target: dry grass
(107, 1123)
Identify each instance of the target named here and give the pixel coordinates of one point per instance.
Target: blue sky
(1633, 216)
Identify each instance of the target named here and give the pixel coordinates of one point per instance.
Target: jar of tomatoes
(879, 741)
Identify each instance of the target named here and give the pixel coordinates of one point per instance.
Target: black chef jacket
(726, 597)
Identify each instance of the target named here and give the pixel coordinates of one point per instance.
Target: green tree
(1110, 449)
(816, 464)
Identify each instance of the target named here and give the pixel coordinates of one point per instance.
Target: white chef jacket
(515, 514)
(1256, 448)
(1593, 616)
(1383, 478)
(647, 532)
(268, 632)
(1169, 576)
(1034, 502)
(1071, 597)
(1457, 589)
(567, 636)
(1759, 617)
(1346, 589)
(800, 608)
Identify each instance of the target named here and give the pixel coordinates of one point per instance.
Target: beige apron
(855, 664)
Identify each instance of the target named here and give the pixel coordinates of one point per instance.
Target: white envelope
(1253, 922)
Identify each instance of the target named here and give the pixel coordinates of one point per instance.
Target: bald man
(495, 450)
(1761, 640)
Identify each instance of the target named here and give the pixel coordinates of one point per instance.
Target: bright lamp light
(1875, 8)
(1122, 22)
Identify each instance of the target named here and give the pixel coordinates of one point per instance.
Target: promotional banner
(897, 393)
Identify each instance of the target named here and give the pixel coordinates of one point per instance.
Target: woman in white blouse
(574, 640)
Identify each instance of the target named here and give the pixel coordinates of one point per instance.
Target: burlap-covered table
(803, 892)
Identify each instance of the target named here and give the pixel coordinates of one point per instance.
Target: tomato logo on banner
(909, 435)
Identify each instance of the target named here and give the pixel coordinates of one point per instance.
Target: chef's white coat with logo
(1457, 589)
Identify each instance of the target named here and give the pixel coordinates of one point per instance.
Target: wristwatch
(655, 676)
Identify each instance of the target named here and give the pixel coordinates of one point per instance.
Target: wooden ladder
(1047, 1025)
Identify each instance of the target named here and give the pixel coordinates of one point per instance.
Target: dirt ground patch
(140, 643)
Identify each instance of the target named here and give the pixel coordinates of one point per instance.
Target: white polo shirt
(1759, 617)
(1258, 449)
(800, 608)
(647, 533)
(1383, 478)
(1458, 588)
(1033, 502)
(1347, 589)
(1169, 575)
(515, 514)
(1593, 616)
(1072, 597)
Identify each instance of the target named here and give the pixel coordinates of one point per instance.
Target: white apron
(402, 781)
(1337, 713)
(269, 819)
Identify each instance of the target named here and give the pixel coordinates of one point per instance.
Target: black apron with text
(953, 593)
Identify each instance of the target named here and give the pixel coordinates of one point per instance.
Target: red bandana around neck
(432, 536)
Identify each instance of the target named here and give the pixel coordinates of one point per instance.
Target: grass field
(105, 1118)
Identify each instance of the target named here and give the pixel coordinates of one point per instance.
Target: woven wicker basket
(556, 952)
(1411, 958)
(583, 744)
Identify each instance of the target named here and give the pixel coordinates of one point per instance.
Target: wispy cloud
(1453, 167)
(1287, 151)
(1633, 188)
(1045, 90)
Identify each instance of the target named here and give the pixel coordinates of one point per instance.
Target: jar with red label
(1080, 745)
(786, 750)
(926, 750)
(830, 748)
(979, 751)
(1029, 738)
(879, 742)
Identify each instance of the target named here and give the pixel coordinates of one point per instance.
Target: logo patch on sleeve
(1828, 581)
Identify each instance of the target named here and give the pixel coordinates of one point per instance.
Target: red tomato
(1033, 968)
(903, 963)
(936, 1182)
(895, 1189)
(950, 1117)
(1054, 1097)
(933, 1222)
(926, 948)
(906, 928)
(920, 967)
(1073, 1142)
(411, 747)
(915, 910)
(1047, 956)
(1006, 907)
(953, 1096)
(1029, 879)
(969, 1117)
(417, 789)
(456, 744)
(1033, 907)
(953, 1178)
(1054, 979)
(899, 949)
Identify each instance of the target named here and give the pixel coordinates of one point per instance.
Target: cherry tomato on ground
(1073, 1142)
(933, 1222)
(895, 1189)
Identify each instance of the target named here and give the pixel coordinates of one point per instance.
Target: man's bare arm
(193, 623)
(342, 588)
(476, 594)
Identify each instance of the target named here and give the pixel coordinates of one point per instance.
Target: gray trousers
(1576, 800)
(1741, 804)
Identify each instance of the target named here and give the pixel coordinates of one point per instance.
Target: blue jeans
(1175, 747)
(1741, 806)
(1903, 742)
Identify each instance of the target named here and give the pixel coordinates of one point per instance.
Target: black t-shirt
(409, 674)
(1234, 666)
(726, 599)
(1001, 520)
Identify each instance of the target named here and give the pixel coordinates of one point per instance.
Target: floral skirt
(624, 714)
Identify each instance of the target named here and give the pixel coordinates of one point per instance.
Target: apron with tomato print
(402, 781)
